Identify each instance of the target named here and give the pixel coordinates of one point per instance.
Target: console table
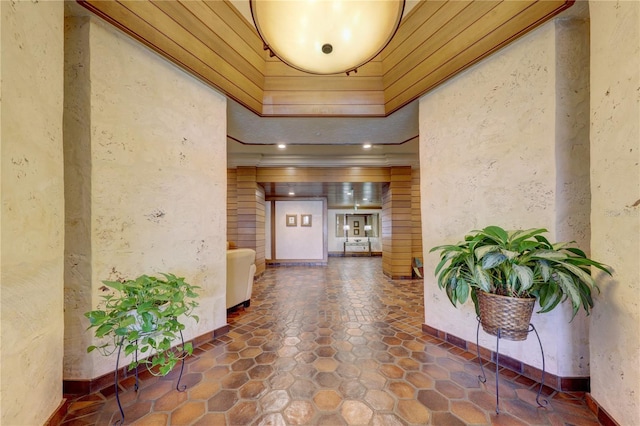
(359, 246)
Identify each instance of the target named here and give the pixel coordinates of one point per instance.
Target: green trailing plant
(521, 263)
(143, 316)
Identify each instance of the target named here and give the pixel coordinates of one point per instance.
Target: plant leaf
(117, 285)
(548, 255)
(549, 297)
(581, 274)
(576, 251)
(545, 269)
(569, 287)
(481, 251)
(518, 237)
(103, 330)
(525, 276)
(482, 278)
(462, 291)
(509, 254)
(491, 260)
(496, 232)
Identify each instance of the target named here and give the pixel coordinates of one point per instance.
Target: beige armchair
(241, 269)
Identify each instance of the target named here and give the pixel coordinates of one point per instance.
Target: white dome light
(326, 36)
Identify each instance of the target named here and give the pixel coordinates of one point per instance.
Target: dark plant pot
(510, 315)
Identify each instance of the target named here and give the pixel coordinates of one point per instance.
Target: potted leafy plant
(497, 267)
(143, 316)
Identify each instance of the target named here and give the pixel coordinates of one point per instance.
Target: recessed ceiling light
(281, 146)
(365, 199)
(367, 146)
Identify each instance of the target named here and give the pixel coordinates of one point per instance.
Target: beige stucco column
(615, 211)
(506, 143)
(32, 214)
(145, 164)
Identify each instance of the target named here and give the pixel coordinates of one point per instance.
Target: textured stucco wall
(573, 190)
(77, 159)
(491, 147)
(32, 217)
(157, 176)
(615, 216)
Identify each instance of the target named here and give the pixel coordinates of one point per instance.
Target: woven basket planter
(510, 315)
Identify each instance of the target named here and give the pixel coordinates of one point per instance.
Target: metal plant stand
(179, 388)
(483, 377)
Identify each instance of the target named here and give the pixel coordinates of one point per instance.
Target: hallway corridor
(335, 345)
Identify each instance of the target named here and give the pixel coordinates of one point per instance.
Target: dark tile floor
(335, 345)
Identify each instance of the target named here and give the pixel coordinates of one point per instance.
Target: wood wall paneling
(397, 225)
(260, 231)
(334, 83)
(276, 68)
(416, 218)
(288, 91)
(326, 97)
(325, 110)
(251, 214)
(232, 206)
(323, 174)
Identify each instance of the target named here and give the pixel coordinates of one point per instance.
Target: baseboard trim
(58, 415)
(564, 384)
(399, 277)
(277, 263)
(89, 386)
(603, 417)
(355, 254)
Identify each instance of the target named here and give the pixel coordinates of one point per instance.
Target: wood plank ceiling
(436, 40)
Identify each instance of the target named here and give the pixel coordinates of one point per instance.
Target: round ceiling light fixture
(326, 36)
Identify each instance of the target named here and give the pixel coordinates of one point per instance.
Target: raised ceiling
(436, 40)
(324, 120)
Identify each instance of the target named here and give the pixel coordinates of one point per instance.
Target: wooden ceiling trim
(447, 26)
(118, 15)
(162, 16)
(276, 68)
(292, 92)
(322, 174)
(460, 57)
(325, 110)
(336, 83)
(326, 97)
